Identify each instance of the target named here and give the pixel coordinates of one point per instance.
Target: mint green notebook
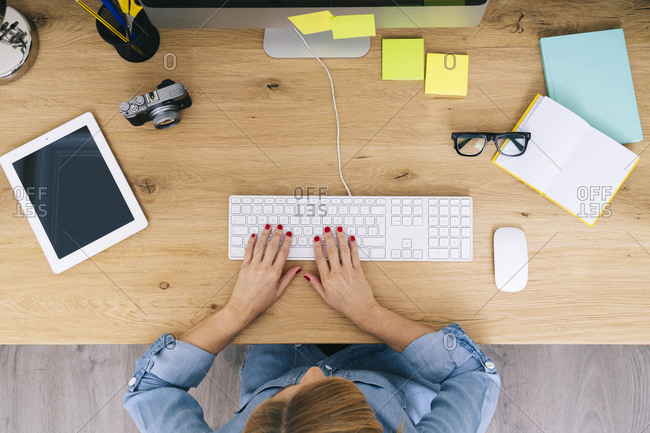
(589, 73)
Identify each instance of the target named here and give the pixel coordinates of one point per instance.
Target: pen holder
(147, 37)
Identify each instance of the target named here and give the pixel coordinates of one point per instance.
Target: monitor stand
(285, 43)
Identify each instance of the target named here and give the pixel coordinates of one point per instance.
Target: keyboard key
(417, 254)
(370, 221)
(378, 210)
(406, 254)
(381, 201)
(373, 231)
(251, 220)
(381, 222)
(235, 209)
(247, 200)
(302, 241)
(433, 231)
(454, 221)
(418, 221)
(443, 242)
(444, 211)
(438, 253)
(454, 211)
(407, 221)
(455, 232)
(454, 242)
(444, 232)
(374, 242)
(246, 209)
(465, 222)
(237, 240)
(237, 252)
(433, 242)
(444, 202)
(241, 230)
(377, 253)
(433, 201)
(238, 220)
(354, 210)
(417, 201)
(466, 248)
(433, 221)
(396, 221)
(396, 210)
(465, 211)
(465, 232)
(362, 231)
(444, 221)
(348, 220)
(417, 211)
(395, 254)
(455, 253)
(235, 200)
(395, 201)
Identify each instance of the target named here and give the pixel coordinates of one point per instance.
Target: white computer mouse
(510, 259)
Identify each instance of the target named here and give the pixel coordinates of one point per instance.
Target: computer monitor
(281, 41)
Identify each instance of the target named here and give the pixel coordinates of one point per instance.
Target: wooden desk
(586, 285)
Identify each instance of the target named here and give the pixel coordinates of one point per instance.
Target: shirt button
(132, 381)
(328, 367)
(489, 365)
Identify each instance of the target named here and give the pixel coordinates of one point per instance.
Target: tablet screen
(73, 192)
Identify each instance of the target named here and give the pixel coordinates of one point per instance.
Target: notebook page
(592, 175)
(555, 133)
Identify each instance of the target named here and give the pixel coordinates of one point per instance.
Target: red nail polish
(352, 238)
(268, 226)
(307, 278)
(279, 226)
(253, 235)
(339, 229)
(327, 229)
(299, 269)
(289, 234)
(316, 238)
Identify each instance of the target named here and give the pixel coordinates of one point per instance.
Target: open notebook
(573, 164)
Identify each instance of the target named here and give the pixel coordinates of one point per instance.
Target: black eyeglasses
(474, 143)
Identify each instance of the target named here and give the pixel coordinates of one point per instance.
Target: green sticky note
(447, 74)
(353, 26)
(402, 59)
(313, 23)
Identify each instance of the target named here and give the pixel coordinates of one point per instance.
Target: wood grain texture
(265, 126)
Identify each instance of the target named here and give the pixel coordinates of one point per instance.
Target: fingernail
(299, 269)
(327, 229)
(279, 226)
(268, 226)
(316, 238)
(307, 278)
(352, 238)
(339, 229)
(253, 235)
(289, 234)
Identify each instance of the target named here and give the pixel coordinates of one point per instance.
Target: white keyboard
(386, 228)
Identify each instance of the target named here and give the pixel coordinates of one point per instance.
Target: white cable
(336, 112)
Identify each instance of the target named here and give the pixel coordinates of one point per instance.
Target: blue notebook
(589, 73)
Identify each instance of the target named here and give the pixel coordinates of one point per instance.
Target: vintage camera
(162, 105)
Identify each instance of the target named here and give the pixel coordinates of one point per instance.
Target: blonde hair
(333, 405)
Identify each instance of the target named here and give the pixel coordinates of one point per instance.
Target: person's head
(316, 404)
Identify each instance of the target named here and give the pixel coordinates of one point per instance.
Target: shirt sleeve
(157, 397)
(469, 383)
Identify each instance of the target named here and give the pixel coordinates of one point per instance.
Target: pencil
(107, 25)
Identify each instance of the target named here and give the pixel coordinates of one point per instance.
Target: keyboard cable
(336, 112)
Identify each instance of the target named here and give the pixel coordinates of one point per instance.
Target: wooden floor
(545, 388)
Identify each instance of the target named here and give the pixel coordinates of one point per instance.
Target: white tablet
(73, 192)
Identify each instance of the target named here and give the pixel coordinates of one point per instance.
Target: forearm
(391, 328)
(216, 331)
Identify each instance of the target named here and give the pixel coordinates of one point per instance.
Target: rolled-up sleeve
(469, 383)
(157, 397)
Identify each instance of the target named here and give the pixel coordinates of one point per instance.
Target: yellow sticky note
(402, 59)
(313, 23)
(447, 74)
(353, 26)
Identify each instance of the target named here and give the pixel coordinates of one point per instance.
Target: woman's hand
(342, 284)
(259, 284)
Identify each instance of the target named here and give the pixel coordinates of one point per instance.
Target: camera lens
(165, 116)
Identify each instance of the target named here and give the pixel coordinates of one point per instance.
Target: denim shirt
(442, 382)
